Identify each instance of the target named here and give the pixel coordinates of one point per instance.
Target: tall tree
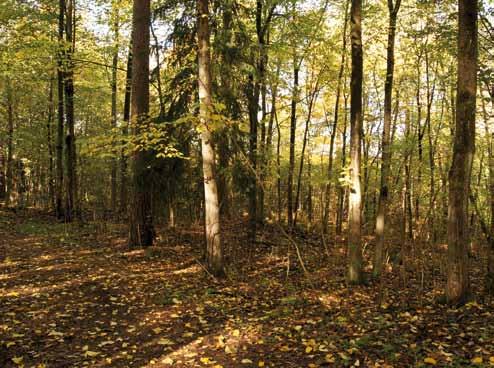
(125, 132)
(457, 286)
(70, 148)
(59, 182)
(386, 149)
(9, 106)
(141, 229)
(355, 197)
(115, 24)
(214, 254)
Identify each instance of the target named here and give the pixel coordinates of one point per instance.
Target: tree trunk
(214, 253)
(457, 286)
(114, 75)
(293, 130)
(342, 192)
(327, 194)
(355, 199)
(71, 159)
(10, 172)
(125, 132)
(49, 132)
(141, 230)
(386, 149)
(61, 117)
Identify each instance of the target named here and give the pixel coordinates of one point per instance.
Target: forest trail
(82, 300)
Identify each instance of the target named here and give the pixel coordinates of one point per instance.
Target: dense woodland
(310, 154)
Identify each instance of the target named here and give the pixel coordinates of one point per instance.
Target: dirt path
(70, 299)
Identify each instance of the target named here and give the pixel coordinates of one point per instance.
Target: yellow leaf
(90, 353)
(246, 361)
(205, 360)
(165, 342)
(167, 361)
(260, 364)
(477, 360)
(491, 360)
(430, 361)
(236, 333)
(308, 349)
(17, 360)
(218, 366)
(329, 358)
(157, 330)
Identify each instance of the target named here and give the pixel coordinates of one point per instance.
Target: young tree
(70, 148)
(214, 254)
(386, 151)
(115, 24)
(355, 196)
(60, 120)
(141, 230)
(457, 286)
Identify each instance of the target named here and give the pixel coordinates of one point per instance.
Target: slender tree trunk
(278, 167)
(116, 41)
(342, 192)
(386, 142)
(355, 201)
(158, 72)
(214, 254)
(49, 132)
(457, 286)
(327, 194)
(59, 209)
(313, 99)
(293, 130)
(71, 158)
(125, 132)
(10, 172)
(141, 230)
(253, 96)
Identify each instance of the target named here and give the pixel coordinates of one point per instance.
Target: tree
(214, 254)
(70, 148)
(59, 182)
(457, 286)
(141, 229)
(355, 196)
(386, 149)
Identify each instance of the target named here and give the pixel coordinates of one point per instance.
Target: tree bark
(386, 149)
(457, 286)
(355, 198)
(141, 230)
(214, 252)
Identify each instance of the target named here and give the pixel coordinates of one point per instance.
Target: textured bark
(253, 102)
(59, 183)
(457, 286)
(214, 252)
(355, 198)
(342, 192)
(141, 230)
(386, 141)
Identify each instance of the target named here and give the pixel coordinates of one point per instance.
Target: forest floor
(76, 296)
